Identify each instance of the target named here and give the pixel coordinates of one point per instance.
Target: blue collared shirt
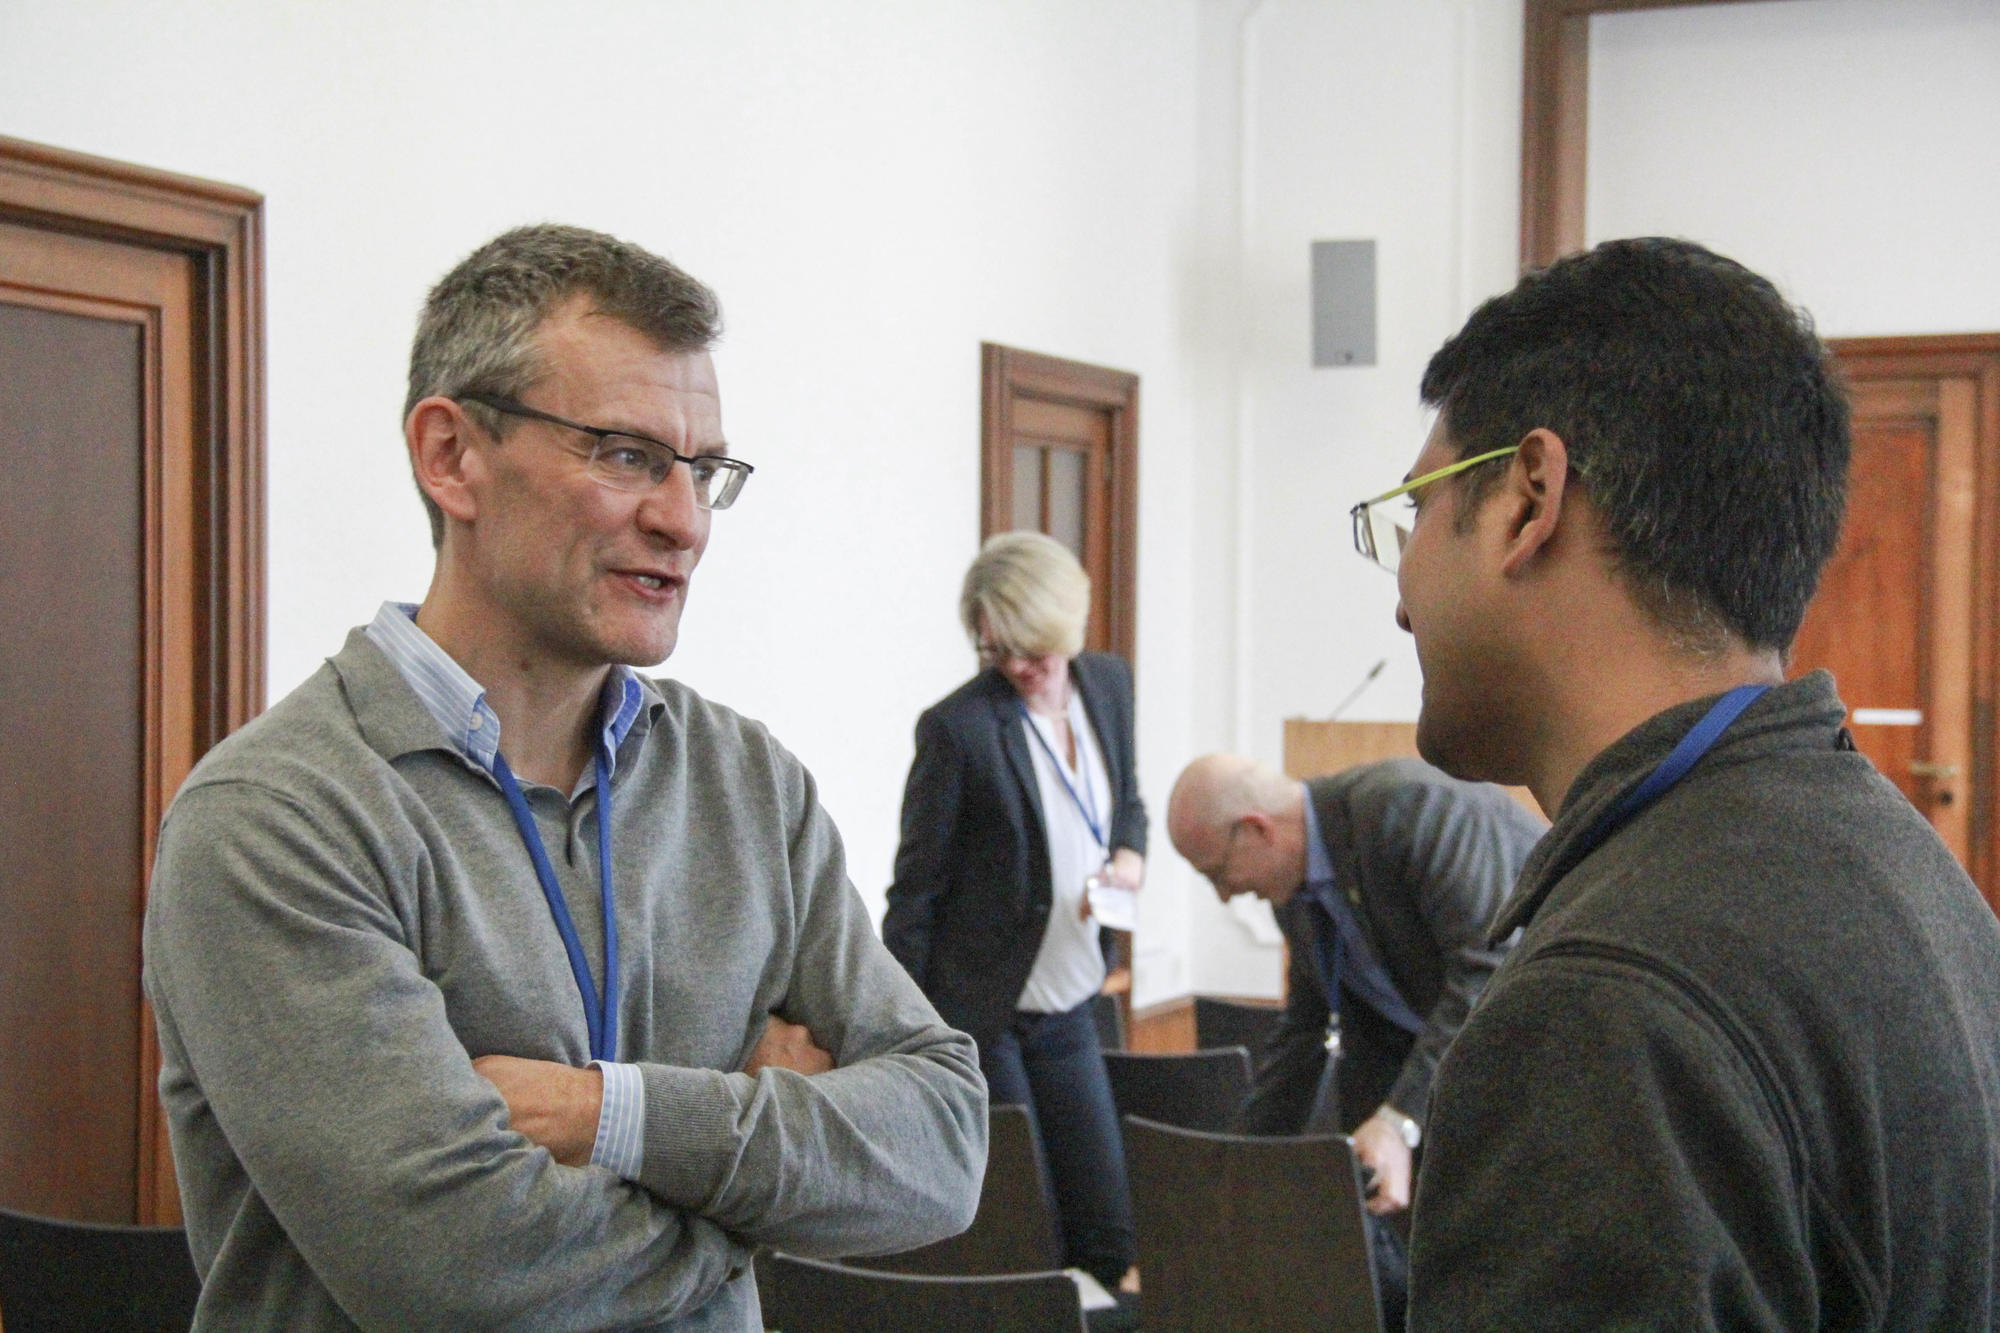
(458, 702)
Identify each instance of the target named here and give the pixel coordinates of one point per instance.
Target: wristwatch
(1412, 1133)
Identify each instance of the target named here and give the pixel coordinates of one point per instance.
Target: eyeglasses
(993, 654)
(627, 462)
(1379, 535)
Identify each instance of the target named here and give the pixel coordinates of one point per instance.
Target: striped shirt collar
(458, 702)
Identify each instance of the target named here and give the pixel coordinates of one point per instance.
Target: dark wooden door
(1060, 455)
(1904, 612)
(82, 370)
(129, 547)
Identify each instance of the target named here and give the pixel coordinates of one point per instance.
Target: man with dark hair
(1743, 1067)
(498, 986)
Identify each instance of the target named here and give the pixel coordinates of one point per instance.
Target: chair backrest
(57, 1275)
(1219, 1022)
(1014, 1230)
(1241, 1232)
(1192, 1089)
(1110, 1020)
(818, 1296)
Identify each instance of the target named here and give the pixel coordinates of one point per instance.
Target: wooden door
(92, 384)
(1060, 455)
(130, 634)
(1904, 616)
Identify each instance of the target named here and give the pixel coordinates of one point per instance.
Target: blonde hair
(1033, 595)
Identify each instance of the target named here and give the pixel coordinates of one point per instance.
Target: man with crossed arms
(498, 986)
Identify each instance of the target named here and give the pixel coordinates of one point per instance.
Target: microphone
(1355, 693)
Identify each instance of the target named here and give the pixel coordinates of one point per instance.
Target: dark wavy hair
(1705, 422)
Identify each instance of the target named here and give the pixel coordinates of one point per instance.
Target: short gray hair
(1033, 595)
(477, 330)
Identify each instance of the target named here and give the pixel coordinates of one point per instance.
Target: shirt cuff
(621, 1121)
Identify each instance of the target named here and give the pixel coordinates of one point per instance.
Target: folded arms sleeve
(882, 1153)
(278, 962)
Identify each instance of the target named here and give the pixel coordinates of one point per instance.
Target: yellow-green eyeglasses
(1377, 532)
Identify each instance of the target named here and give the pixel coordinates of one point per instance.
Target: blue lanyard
(1347, 961)
(1084, 802)
(1701, 738)
(600, 1014)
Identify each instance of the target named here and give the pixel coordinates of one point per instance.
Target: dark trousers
(1052, 1064)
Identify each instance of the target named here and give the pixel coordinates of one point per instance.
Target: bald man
(1386, 880)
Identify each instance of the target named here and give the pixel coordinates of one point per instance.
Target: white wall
(1845, 148)
(1396, 120)
(872, 187)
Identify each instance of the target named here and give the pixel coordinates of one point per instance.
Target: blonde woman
(1022, 790)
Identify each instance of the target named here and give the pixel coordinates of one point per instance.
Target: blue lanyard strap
(1348, 962)
(1701, 738)
(600, 1014)
(1089, 797)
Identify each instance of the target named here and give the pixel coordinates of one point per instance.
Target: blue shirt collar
(1319, 866)
(458, 702)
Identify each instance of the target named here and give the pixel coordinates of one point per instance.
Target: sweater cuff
(691, 1146)
(621, 1121)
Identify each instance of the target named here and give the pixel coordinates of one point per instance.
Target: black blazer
(1428, 862)
(972, 895)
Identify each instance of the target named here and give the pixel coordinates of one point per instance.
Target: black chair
(1014, 1230)
(58, 1276)
(1110, 1021)
(1241, 1232)
(817, 1296)
(1194, 1089)
(1220, 1022)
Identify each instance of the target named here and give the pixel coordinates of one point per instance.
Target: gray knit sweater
(342, 917)
(1742, 1070)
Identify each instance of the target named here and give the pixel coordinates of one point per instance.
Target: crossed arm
(318, 1071)
(557, 1105)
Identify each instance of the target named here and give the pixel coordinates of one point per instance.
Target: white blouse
(1069, 969)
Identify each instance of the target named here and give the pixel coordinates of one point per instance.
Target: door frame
(219, 228)
(1555, 111)
(1007, 374)
(1973, 357)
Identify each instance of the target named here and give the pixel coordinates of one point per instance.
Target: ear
(1535, 487)
(1257, 824)
(439, 436)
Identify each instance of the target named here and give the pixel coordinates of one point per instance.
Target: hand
(1130, 868)
(555, 1106)
(1379, 1145)
(787, 1046)
(1126, 869)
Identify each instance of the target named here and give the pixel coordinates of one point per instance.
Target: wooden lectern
(1313, 749)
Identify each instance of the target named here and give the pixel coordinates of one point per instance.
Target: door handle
(1925, 768)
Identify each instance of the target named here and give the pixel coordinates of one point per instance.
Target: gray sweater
(343, 916)
(1742, 1070)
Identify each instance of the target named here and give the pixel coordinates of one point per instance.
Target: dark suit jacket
(972, 894)
(1428, 862)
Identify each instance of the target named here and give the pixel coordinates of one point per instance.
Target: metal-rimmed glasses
(1380, 535)
(627, 462)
